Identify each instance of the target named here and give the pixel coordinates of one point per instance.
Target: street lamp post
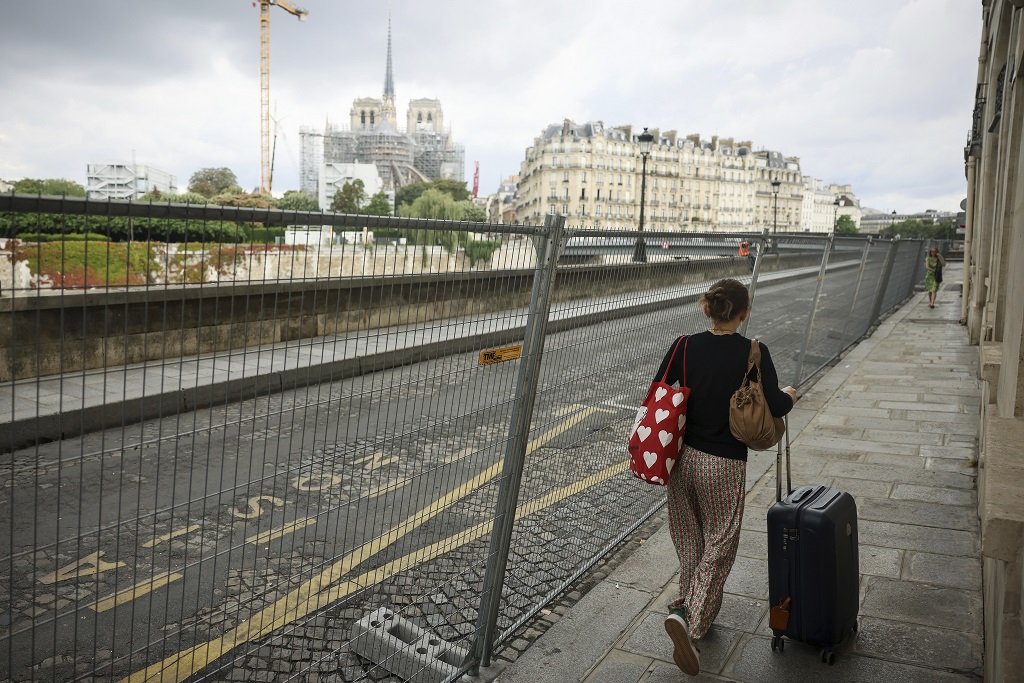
(835, 217)
(892, 222)
(775, 194)
(645, 139)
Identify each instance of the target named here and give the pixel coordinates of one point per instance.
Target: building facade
(501, 206)
(592, 174)
(127, 181)
(991, 308)
(334, 176)
(848, 202)
(820, 207)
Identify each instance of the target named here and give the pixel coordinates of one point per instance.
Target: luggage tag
(778, 619)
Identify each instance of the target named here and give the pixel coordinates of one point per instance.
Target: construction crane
(291, 8)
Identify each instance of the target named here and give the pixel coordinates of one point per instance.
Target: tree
(251, 201)
(846, 226)
(436, 204)
(455, 188)
(918, 229)
(49, 186)
(295, 200)
(378, 205)
(472, 212)
(407, 194)
(350, 198)
(213, 181)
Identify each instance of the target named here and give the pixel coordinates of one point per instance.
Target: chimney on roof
(566, 123)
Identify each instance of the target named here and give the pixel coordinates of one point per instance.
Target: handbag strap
(673, 358)
(753, 361)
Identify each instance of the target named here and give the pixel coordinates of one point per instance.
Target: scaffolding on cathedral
(400, 158)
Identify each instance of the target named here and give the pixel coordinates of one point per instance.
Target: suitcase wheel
(778, 643)
(828, 657)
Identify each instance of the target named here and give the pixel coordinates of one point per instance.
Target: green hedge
(265, 235)
(68, 237)
(481, 250)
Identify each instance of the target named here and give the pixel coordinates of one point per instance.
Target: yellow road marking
(367, 458)
(324, 482)
(136, 591)
(166, 537)
(387, 488)
(375, 461)
(530, 448)
(302, 601)
(455, 457)
(288, 528)
(90, 565)
(254, 509)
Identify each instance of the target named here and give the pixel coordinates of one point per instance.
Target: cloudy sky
(876, 93)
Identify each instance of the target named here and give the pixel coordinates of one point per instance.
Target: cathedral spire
(388, 101)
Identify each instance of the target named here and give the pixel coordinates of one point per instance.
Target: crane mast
(286, 5)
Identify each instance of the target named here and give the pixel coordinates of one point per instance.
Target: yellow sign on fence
(501, 355)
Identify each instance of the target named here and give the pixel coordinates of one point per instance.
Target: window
(565, 209)
(600, 177)
(419, 117)
(598, 210)
(583, 176)
(362, 118)
(430, 118)
(583, 209)
(372, 116)
(598, 195)
(565, 193)
(565, 176)
(551, 210)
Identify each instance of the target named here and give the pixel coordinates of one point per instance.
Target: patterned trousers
(705, 508)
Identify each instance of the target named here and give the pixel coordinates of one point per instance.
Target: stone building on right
(993, 310)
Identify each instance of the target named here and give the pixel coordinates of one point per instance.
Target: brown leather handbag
(750, 421)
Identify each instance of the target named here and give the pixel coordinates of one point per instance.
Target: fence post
(883, 282)
(761, 245)
(856, 295)
(814, 307)
(548, 248)
(922, 252)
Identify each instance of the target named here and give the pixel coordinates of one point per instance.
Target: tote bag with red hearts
(657, 435)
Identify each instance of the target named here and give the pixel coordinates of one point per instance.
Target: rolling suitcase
(813, 570)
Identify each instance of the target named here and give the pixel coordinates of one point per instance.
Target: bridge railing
(396, 459)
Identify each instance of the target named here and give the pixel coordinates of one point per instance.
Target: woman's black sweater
(714, 370)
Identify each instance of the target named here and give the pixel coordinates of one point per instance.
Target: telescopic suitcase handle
(778, 467)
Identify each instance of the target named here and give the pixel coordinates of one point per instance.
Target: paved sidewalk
(894, 423)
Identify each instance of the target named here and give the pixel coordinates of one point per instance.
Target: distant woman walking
(933, 263)
(706, 487)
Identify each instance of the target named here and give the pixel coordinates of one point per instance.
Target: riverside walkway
(895, 423)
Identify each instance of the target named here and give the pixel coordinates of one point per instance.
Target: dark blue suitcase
(813, 566)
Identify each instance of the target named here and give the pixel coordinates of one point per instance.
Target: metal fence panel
(226, 457)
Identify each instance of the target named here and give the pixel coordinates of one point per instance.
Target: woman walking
(933, 263)
(707, 487)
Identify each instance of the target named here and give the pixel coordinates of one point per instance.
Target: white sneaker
(685, 655)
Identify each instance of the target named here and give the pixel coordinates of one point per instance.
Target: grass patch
(80, 265)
